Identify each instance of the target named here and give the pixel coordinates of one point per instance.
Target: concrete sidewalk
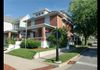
(26, 64)
(21, 63)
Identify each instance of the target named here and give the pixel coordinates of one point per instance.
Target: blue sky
(16, 8)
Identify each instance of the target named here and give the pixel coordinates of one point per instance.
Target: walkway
(26, 64)
(21, 63)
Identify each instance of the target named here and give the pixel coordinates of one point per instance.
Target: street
(86, 61)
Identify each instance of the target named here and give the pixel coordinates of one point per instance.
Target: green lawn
(67, 55)
(26, 53)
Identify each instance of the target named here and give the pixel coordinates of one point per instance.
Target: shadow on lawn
(48, 59)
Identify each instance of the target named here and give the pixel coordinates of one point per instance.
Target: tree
(62, 40)
(84, 15)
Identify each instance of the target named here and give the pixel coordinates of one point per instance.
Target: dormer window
(42, 12)
(39, 14)
(36, 14)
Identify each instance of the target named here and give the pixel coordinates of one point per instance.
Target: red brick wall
(56, 20)
(39, 21)
(53, 20)
(59, 22)
(68, 27)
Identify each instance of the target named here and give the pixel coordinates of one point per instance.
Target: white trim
(44, 44)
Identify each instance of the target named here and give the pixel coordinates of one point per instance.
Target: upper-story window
(38, 14)
(29, 23)
(32, 22)
(42, 12)
(39, 21)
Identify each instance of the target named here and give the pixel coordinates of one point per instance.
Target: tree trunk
(85, 40)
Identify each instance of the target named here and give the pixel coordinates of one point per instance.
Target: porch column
(9, 34)
(43, 41)
(43, 33)
(20, 36)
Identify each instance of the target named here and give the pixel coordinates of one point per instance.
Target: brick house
(42, 22)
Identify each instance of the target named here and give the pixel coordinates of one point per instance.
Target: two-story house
(42, 22)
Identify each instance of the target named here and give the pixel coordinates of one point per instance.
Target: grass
(67, 55)
(27, 53)
(24, 53)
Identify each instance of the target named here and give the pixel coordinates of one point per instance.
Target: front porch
(37, 32)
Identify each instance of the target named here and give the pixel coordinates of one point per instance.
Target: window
(37, 14)
(42, 12)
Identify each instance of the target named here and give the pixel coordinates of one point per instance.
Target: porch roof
(41, 25)
(13, 31)
(38, 26)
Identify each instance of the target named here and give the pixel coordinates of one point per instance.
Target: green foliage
(30, 43)
(10, 41)
(37, 43)
(84, 14)
(62, 42)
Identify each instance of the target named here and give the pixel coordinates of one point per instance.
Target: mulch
(71, 62)
(7, 67)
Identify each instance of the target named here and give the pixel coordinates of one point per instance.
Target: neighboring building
(9, 28)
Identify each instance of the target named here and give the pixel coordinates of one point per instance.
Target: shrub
(10, 41)
(37, 44)
(23, 44)
(30, 43)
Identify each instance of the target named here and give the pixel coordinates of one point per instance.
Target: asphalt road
(87, 61)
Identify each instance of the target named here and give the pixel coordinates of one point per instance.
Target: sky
(17, 8)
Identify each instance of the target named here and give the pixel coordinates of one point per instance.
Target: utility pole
(26, 35)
